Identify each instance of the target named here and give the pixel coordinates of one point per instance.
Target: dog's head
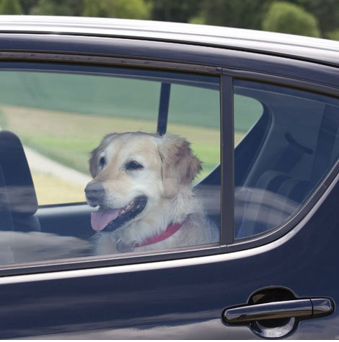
(133, 172)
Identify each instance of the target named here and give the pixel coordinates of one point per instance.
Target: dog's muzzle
(110, 218)
(95, 193)
(138, 206)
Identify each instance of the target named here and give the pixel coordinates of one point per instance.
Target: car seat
(18, 202)
(277, 193)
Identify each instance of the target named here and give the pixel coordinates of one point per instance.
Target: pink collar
(170, 230)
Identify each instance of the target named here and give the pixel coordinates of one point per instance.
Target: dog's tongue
(101, 218)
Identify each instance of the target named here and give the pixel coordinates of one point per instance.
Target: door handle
(301, 308)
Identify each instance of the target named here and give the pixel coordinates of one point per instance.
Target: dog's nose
(94, 193)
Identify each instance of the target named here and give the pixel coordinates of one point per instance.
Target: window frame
(226, 74)
(282, 229)
(121, 69)
(119, 259)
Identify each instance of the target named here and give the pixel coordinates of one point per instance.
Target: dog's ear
(93, 161)
(179, 164)
(94, 165)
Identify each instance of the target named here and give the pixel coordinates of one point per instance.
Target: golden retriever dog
(142, 189)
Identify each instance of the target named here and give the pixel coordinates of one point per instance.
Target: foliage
(131, 9)
(289, 18)
(244, 14)
(174, 10)
(28, 5)
(58, 7)
(334, 35)
(326, 11)
(305, 17)
(10, 7)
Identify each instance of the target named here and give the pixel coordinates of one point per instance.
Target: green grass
(113, 96)
(247, 111)
(65, 116)
(69, 138)
(73, 152)
(123, 99)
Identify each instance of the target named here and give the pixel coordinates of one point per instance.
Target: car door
(273, 197)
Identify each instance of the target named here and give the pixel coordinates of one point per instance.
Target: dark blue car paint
(183, 298)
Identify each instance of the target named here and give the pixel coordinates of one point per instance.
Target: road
(41, 164)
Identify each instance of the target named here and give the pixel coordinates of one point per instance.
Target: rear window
(100, 161)
(283, 159)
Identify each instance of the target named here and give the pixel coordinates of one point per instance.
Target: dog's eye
(133, 165)
(102, 161)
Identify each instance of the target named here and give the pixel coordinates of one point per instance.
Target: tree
(27, 5)
(58, 7)
(175, 10)
(10, 7)
(334, 35)
(235, 13)
(326, 12)
(289, 18)
(131, 9)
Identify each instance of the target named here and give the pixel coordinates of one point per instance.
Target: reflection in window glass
(201, 106)
(284, 157)
(92, 136)
(60, 118)
(249, 111)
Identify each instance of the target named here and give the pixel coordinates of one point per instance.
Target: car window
(129, 143)
(247, 111)
(284, 157)
(204, 107)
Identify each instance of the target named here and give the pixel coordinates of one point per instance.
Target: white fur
(169, 167)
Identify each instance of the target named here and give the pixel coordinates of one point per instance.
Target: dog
(142, 189)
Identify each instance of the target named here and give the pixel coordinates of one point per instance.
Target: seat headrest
(17, 176)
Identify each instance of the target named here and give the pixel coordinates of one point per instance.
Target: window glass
(130, 143)
(248, 111)
(203, 106)
(284, 156)
(60, 118)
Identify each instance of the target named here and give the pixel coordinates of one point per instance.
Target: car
(260, 110)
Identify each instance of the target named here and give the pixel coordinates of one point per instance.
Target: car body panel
(268, 42)
(179, 57)
(177, 299)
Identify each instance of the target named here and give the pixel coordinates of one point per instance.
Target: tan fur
(166, 180)
(180, 165)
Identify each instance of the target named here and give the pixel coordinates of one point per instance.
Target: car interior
(283, 158)
(278, 164)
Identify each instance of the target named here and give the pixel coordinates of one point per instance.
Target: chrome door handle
(301, 308)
